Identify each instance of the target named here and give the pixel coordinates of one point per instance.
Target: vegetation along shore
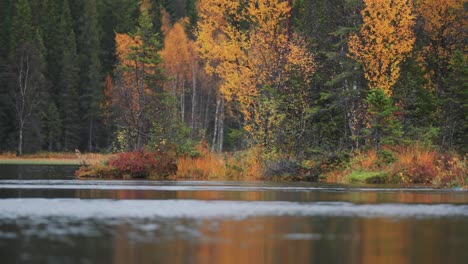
(318, 90)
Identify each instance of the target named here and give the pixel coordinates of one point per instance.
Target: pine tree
(384, 128)
(27, 67)
(115, 16)
(454, 100)
(138, 83)
(54, 43)
(90, 72)
(6, 108)
(69, 106)
(53, 127)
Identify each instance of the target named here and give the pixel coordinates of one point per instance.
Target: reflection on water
(54, 219)
(29, 172)
(285, 239)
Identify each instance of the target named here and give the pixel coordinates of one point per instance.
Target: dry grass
(244, 165)
(411, 164)
(415, 164)
(366, 161)
(55, 158)
(205, 167)
(336, 176)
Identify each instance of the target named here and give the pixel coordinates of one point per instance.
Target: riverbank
(54, 158)
(397, 165)
(402, 165)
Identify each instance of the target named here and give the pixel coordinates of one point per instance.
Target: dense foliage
(130, 165)
(299, 80)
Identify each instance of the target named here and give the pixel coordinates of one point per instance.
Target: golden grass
(412, 164)
(415, 164)
(54, 158)
(408, 156)
(201, 168)
(367, 161)
(244, 165)
(336, 176)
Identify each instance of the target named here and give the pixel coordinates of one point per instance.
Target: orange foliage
(386, 38)
(131, 88)
(179, 54)
(442, 18)
(107, 104)
(445, 25)
(126, 45)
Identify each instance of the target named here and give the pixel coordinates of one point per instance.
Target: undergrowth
(405, 165)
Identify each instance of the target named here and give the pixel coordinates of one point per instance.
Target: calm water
(48, 217)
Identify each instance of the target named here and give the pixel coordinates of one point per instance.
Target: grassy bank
(402, 165)
(204, 165)
(396, 165)
(39, 162)
(53, 158)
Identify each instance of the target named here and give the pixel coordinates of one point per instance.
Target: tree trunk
(20, 141)
(215, 132)
(90, 136)
(194, 90)
(182, 101)
(221, 127)
(207, 110)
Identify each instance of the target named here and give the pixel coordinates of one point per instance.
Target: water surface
(48, 217)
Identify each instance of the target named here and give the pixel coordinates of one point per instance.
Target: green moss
(367, 177)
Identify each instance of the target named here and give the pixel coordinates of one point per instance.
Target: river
(46, 216)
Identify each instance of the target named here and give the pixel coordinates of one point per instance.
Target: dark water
(48, 217)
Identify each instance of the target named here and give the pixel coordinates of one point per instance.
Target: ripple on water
(197, 186)
(198, 209)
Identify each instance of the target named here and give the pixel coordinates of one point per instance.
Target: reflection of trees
(311, 239)
(255, 240)
(378, 243)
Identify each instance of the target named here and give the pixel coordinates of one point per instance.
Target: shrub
(385, 157)
(142, 164)
(136, 164)
(408, 164)
(99, 170)
(415, 164)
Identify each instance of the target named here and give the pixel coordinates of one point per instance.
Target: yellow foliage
(386, 38)
(248, 59)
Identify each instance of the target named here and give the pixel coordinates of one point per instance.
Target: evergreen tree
(454, 101)
(384, 128)
(29, 84)
(115, 16)
(418, 104)
(54, 43)
(53, 127)
(90, 72)
(137, 92)
(69, 76)
(337, 92)
(6, 107)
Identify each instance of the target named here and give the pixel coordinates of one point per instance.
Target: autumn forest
(302, 83)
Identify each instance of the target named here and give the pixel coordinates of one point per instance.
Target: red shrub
(142, 164)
